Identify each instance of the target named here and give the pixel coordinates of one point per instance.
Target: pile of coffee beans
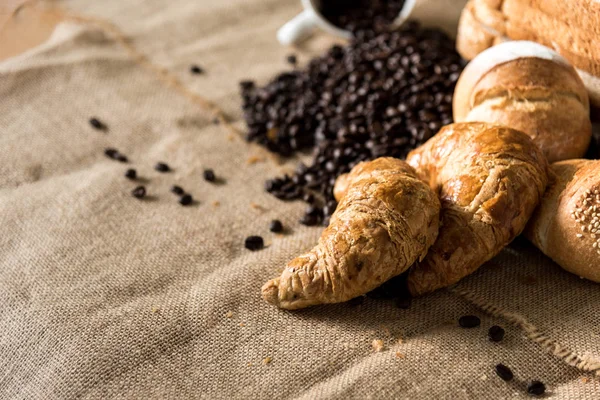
(361, 17)
(378, 96)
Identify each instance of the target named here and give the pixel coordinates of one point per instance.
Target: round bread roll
(528, 87)
(566, 226)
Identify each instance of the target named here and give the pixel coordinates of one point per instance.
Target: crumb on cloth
(377, 345)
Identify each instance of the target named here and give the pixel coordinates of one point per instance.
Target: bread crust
(543, 97)
(490, 179)
(566, 227)
(571, 28)
(386, 220)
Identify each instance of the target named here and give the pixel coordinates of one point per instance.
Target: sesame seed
(579, 235)
(595, 245)
(583, 229)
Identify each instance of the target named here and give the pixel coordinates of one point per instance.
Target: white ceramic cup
(304, 24)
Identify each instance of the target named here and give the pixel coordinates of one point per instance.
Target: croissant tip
(270, 291)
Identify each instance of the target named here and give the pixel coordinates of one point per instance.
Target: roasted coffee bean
(383, 94)
(276, 226)
(97, 124)
(209, 175)
(178, 190)
(139, 192)
(357, 301)
(162, 167)
(536, 388)
(309, 220)
(111, 153)
(254, 243)
(469, 321)
(196, 69)
(292, 59)
(403, 302)
(131, 174)
(496, 333)
(504, 372)
(186, 200)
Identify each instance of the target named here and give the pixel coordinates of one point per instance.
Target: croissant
(386, 220)
(566, 225)
(489, 179)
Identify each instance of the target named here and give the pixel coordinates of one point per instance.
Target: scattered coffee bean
(309, 220)
(276, 226)
(162, 167)
(139, 192)
(383, 94)
(403, 303)
(97, 124)
(469, 321)
(496, 333)
(504, 372)
(357, 301)
(209, 175)
(186, 200)
(178, 190)
(254, 243)
(111, 153)
(131, 174)
(536, 388)
(292, 59)
(196, 69)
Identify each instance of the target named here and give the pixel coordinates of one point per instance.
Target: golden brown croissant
(490, 179)
(386, 220)
(566, 226)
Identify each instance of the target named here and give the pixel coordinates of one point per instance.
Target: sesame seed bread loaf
(572, 28)
(489, 179)
(566, 226)
(531, 88)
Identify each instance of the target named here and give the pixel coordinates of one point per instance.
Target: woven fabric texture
(107, 296)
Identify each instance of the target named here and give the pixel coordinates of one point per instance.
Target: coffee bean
(131, 174)
(309, 220)
(496, 333)
(536, 388)
(469, 321)
(254, 243)
(504, 372)
(97, 124)
(162, 167)
(111, 153)
(209, 175)
(357, 301)
(186, 200)
(178, 190)
(139, 192)
(403, 303)
(196, 69)
(292, 59)
(276, 226)
(381, 95)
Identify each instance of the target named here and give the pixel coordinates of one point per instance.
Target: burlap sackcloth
(106, 296)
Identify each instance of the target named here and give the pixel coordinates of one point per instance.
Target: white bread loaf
(572, 28)
(531, 88)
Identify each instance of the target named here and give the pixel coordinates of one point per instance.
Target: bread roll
(566, 226)
(571, 28)
(528, 87)
(489, 179)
